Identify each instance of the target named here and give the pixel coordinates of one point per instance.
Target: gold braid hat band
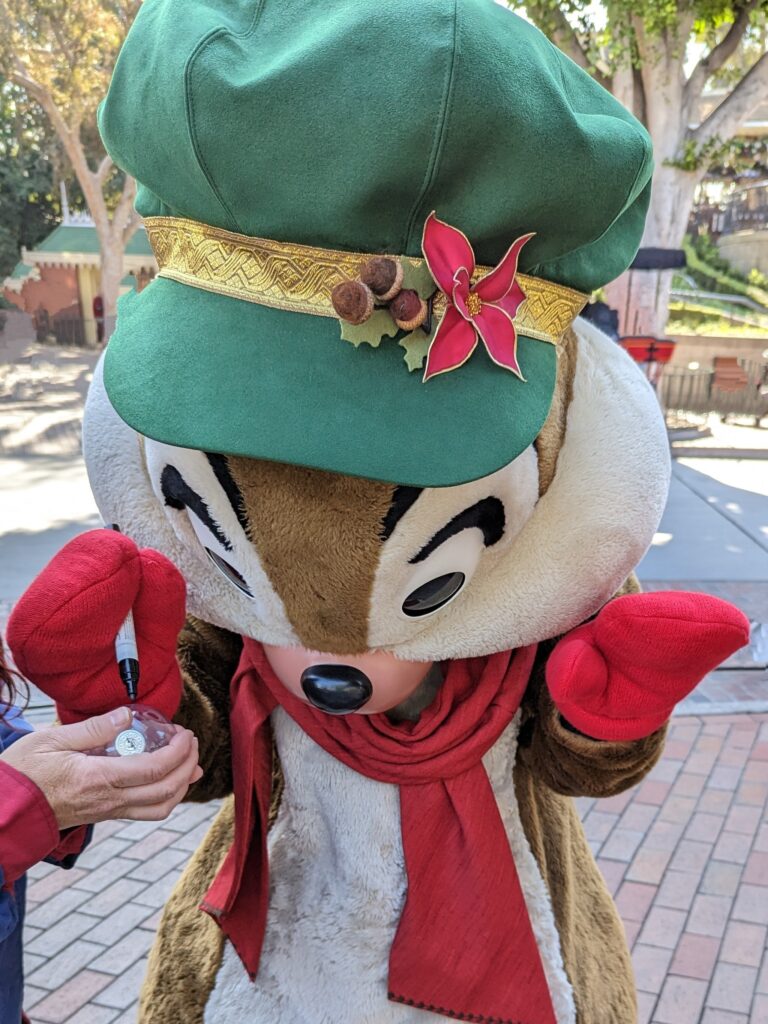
(300, 278)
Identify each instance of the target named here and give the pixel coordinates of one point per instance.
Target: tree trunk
(111, 276)
(642, 296)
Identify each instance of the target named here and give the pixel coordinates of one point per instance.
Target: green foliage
(615, 33)
(417, 277)
(67, 46)
(723, 157)
(740, 154)
(714, 273)
(685, 321)
(416, 345)
(28, 204)
(731, 311)
(695, 156)
(378, 326)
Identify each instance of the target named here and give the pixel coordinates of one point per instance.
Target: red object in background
(646, 349)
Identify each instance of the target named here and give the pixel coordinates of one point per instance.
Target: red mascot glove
(62, 631)
(619, 676)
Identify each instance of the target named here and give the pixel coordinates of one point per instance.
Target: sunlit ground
(44, 494)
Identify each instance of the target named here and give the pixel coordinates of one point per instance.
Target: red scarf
(464, 946)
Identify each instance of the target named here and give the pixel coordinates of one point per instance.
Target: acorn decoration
(389, 295)
(408, 309)
(384, 276)
(353, 301)
(380, 281)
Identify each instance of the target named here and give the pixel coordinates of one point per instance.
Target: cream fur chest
(337, 886)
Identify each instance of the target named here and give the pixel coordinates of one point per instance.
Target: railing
(744, 209)
(78, 331)
(732, 387)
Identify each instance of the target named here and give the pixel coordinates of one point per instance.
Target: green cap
(342, 125)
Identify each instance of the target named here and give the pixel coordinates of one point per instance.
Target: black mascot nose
(336, 689)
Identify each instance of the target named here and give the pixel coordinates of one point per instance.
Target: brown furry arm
(573, 764)
(208, 657)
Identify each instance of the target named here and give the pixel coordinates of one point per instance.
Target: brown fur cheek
(552, 434)
(318, 537)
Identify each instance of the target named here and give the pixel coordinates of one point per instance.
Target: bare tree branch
(41, 95)
(644, 72)
(70, 140)
(134, 223)
(46, 52)
(639, 100)
(62, 42)
(718, 55)
(564, 36)
(121, 218)
(739, 104)
(103, 170)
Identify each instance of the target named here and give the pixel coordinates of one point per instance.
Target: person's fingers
(172, 787)
(91, 733)
(145, 769)
(157, 813)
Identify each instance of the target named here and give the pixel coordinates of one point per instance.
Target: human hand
(62, 630)
(81, 789)
(619, 676)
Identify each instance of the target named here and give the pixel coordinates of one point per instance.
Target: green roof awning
(21, 270)
(74, 238)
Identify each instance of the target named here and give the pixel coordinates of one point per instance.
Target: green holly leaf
(416, 345)
(378, 325)
(416, 275)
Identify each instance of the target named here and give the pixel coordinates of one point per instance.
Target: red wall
(56, 290)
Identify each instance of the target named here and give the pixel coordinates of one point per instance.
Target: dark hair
(11, 685)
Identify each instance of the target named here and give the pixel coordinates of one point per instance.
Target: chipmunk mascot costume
(382, 493)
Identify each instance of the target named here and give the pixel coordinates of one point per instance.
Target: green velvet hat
(275, 143)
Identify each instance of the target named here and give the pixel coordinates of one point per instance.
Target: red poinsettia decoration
(485, 309)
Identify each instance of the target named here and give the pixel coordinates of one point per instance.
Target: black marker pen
(126, 651)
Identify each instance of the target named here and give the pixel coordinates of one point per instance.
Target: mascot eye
(229, 571)
(433, 595)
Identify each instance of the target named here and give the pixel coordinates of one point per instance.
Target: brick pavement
(685, 854)
(88, 931)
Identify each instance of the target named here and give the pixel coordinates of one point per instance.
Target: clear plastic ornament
(148, 731)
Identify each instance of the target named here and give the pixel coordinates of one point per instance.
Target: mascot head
(367, 465)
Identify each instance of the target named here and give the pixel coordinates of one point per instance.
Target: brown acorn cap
(353, 301)
(384, 276)
(408, 310)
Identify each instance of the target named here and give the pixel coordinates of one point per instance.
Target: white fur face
(452, 534)
(514, 568)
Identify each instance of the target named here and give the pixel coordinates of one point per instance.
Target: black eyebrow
(220, 466)
(178, 494)
(487, 515)
(402, 499)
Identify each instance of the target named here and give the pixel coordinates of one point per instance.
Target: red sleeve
(28, 829)
(71, 844)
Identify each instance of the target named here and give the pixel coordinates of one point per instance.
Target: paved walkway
(686, 852)
(686, 856)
